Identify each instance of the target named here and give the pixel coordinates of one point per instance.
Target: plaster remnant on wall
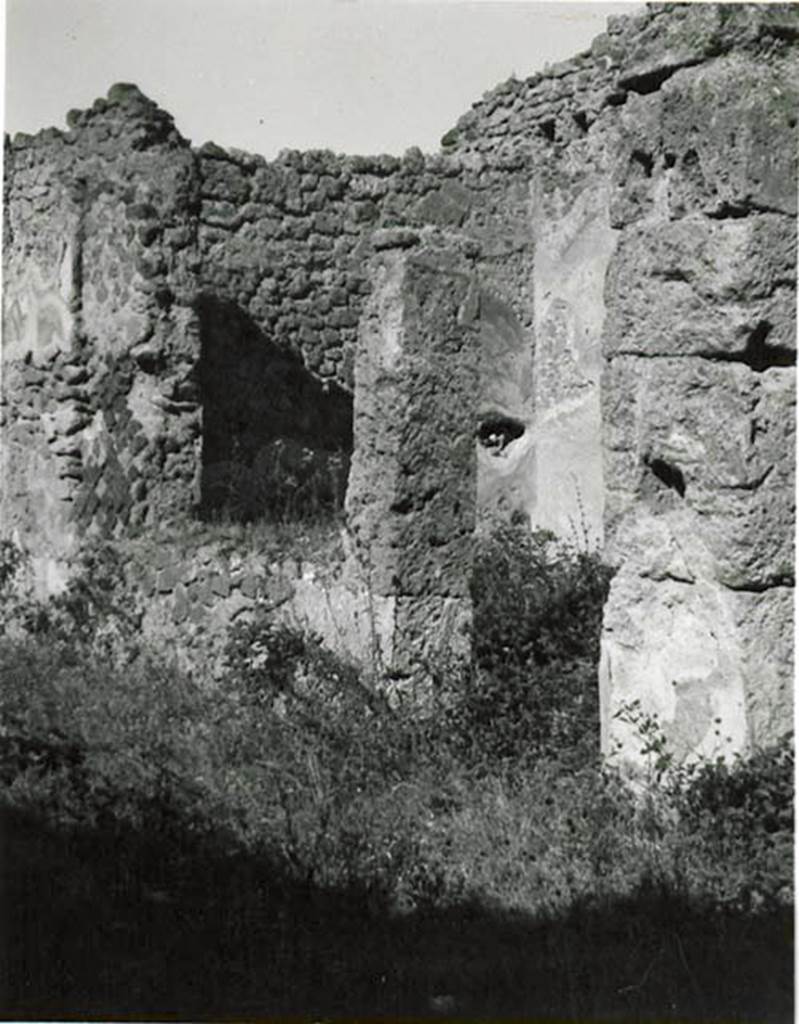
(574, 244)
(37, 321)
(673, 646)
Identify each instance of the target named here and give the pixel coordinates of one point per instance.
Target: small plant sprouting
(660, 759)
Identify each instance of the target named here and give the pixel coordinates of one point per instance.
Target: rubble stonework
(581, 311)
(99, 400)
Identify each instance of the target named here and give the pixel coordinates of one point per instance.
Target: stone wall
(663, 216)
(282, 280)
(699, 402)
(100, 406)
(287, 240)
(546, 144)
(190, 586)
(581, 312)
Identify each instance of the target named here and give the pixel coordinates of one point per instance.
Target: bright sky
(354, 76)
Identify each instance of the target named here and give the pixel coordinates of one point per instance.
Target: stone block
(394, 238)
(147, 583)
(670, 643)
(705, 287)
(249, 586)
(277, 590)
(180, 604)
(220, 584)
(167, 579)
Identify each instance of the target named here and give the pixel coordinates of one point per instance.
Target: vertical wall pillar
(699, 391)
(412, 488)
(40, 377)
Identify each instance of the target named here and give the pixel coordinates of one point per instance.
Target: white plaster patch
(62, 421)
(349, 619)
(36, 320)
(569, 494)
(50, 575)
(573, 246)
(143, 401)
(388, 311)
(672, 646)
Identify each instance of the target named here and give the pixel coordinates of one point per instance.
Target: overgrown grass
(287, 842)
(309, 538)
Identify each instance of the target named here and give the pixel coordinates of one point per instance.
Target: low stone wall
(192, 589)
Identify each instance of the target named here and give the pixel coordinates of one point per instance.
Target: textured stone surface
(506, 447)
(698, 393)
(95, 304)
(411, 498)
(674, 140)
(190, 590)
(671, 643)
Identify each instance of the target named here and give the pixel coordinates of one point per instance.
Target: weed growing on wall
(10, 562)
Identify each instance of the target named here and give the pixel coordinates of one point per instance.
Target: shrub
(89, 744)
(97, 610)
(346, 768)
(288, 482)
(494, 796)
(531, 691)
(735, 827)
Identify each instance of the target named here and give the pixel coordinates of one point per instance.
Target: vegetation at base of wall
(291, 483)
(289, 840)
(532, 687)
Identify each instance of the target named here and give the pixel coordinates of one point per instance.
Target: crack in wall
(783, 581)
(757, 354)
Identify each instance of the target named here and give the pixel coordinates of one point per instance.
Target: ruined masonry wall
(699, 407)
(590, 300)
(559, 129)
(188, 588)
(99, 405)
(286, 241)
(663, 198)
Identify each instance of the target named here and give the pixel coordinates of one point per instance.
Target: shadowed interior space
(276, 441)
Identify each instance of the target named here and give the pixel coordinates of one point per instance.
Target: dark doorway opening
(277, 442)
